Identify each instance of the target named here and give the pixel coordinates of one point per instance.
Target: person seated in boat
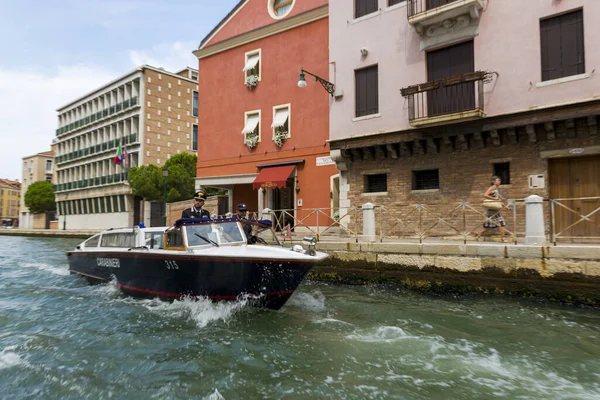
(241, 215)
(196, 211)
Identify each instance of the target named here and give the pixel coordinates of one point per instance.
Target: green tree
(182, 174)
(146, 182)
(40, 197)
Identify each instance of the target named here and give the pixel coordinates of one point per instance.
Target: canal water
(63, 339)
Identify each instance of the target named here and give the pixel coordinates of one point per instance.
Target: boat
(198, 258)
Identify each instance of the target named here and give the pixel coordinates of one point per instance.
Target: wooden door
(575, 178)
(445, 63)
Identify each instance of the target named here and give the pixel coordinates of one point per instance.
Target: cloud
(172, 56)
(29, 99)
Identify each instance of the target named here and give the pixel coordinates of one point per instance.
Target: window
(503, 171)
(364, 7)
(118, 240)
(195, 105)
(96, 205)
(252, 69)
(426, 179)
(49, 179)
(280, 8)
(445, 63)
(122, 202)
(115, 204)
(562, 46)
(376, 183)
(367, 91)
(394, 2)
(251, 129)
(48, 165)
(195, 137)
(281, 124)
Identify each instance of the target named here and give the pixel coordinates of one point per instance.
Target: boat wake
(47, 268)
(314, 301)
(201, 311)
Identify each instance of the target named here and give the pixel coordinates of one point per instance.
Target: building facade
(264, 139)
(442, 94)
(10, 193)
(38, 167)
(144, 117)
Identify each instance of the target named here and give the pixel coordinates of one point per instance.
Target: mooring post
(534, 220)
(368, 222)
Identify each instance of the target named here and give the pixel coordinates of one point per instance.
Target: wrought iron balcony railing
(461, 95)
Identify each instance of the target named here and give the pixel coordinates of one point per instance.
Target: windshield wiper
(207, 240)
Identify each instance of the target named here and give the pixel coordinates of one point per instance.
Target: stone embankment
(565, 273)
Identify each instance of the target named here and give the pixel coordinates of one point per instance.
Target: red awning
(272, 177)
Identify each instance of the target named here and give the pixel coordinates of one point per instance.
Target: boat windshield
(211, 234)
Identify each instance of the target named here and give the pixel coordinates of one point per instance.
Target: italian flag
(119, 155)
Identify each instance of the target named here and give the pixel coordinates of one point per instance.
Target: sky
(54, 51)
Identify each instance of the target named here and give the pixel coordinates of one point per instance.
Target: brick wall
(174, 210)
(464, 175)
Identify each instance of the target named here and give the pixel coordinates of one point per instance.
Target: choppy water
(63, 339)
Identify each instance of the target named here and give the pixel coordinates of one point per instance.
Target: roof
(141, 68)
(221, 23)
(10, 184)
(48, 153)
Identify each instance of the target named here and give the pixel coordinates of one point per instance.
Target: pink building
(439, 95)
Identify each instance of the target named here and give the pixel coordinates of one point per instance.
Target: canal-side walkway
(562, 272)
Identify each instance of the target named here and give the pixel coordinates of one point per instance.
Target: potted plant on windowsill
(251, 81)
(280, 137)
(251, 140)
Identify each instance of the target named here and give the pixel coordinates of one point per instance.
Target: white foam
(201, 311)
(314, 301)
(9, 359)
(47, 268)
(332, 320)
(215, 396)
(383, 334)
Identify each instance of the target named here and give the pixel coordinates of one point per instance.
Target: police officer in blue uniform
(241, 214)
(196, 211)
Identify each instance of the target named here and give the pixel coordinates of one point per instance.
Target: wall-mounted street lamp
(330, 87)
(165, 173)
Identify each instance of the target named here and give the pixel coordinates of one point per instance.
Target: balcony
(458, 98)
(443, 21)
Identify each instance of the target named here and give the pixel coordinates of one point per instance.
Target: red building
(260, 136)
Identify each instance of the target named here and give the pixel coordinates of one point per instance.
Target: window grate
(426, 179)
(376, 183)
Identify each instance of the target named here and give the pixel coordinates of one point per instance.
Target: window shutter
(367, 91)
(562, 46)
(372, 90)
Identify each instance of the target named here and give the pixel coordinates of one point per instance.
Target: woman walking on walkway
(493, 217)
